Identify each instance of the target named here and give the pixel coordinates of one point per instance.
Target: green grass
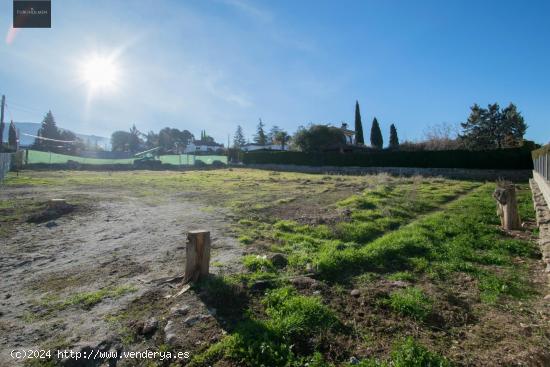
(463, 238)
(410, 302)
(408, 353)
(257, 263)
(271, 342)
(292, 315)
(85, 300)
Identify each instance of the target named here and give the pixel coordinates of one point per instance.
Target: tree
(120, 141)
(281, 137)
(48, 130)
(74, 145)
(443, 136)
(491, 127)
(376, 140)
(514, 126)
(12, 137)
(394, 139)
(359, 139)
(271, 136)
(135, 143)
(152, 140)
(260, 138)
(238, 139)
(318, 138)
(1, 133)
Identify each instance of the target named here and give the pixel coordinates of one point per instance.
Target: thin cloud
(250, 10)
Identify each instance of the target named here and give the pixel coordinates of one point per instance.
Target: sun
(100, 72)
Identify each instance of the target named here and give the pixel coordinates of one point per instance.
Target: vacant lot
(309, 269)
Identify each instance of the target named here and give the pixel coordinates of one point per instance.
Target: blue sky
(212, 65)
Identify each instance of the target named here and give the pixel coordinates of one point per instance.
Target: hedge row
(516, 158)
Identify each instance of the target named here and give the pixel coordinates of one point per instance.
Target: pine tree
(491, 127)
(260, 138)
(376, 140)
(238, 139)
(48, 130)
(358, 126)
(394, 140)
(12, 136)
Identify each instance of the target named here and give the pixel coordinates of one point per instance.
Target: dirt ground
(107, 276)
(110, 241)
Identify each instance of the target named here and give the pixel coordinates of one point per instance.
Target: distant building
(252, 147)
(202, 146)
(350, 134)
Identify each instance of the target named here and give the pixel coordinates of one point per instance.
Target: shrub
(200, 164)
(218, 164)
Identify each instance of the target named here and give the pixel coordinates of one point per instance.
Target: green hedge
(516, 158)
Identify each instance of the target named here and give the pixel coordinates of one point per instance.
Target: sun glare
(100, 72)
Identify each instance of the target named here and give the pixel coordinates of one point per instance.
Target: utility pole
(2, 120)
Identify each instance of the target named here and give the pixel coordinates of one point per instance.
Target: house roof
(207, 143)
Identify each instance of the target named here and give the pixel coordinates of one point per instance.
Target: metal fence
(5, 162)
(541, 162)
(35, 156)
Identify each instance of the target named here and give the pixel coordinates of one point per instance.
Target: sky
(215, 64)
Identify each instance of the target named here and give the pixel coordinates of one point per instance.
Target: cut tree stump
(197, 264)
(507, 205)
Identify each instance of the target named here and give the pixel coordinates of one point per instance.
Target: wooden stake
(507, 206)
(197, 264)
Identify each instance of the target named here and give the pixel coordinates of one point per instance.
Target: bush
(514, 158)
(218, 164)
(200, 164)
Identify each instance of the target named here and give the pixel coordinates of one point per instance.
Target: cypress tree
(394, 140)
(238, 139)
(12, 136)
(358, 126)
(376, 140)
(48, 130)
(260, 138)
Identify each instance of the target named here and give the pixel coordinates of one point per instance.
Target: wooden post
(507, 206)
(197, 263)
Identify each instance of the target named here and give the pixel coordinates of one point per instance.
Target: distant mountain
(31, 128)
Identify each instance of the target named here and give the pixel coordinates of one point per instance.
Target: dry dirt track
(115, 242)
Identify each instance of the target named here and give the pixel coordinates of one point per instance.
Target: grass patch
(85, 300)
(462, 238)
(258, 263)
(409, 353)
(276, 341)
(410, 302)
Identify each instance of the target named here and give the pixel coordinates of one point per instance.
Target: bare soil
(108, 241)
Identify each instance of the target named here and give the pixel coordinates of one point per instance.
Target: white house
(203, 146)
(252, 147)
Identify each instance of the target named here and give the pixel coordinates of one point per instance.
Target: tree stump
(507, 206)
(197, 264)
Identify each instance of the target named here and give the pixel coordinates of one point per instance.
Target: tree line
(486, 128)
(168, 140)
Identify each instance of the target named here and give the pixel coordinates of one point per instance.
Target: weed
(257, 263)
